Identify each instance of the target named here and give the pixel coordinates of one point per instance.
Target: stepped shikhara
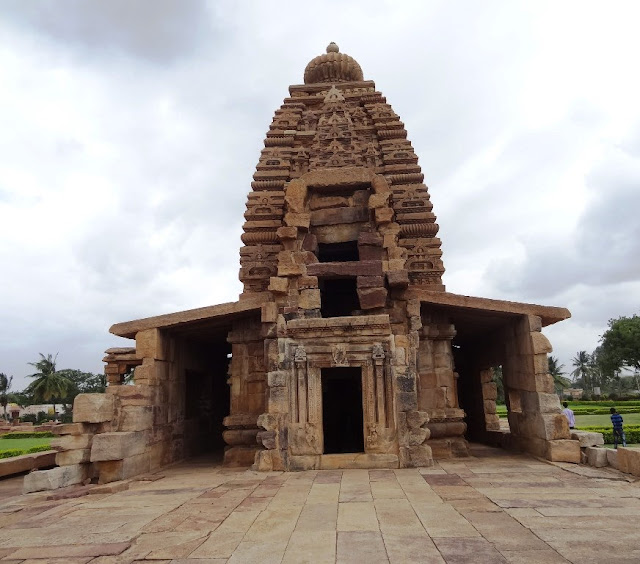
(344, 349)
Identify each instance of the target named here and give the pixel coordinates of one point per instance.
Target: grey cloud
(605, 246)
(155, 30)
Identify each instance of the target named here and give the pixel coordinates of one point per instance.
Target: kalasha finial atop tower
(333, 67)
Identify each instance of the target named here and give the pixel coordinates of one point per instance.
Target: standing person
(568, 413)
(618, 431)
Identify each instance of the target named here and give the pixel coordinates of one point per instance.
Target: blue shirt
(616, 419)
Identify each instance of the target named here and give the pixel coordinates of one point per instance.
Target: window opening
(338, 297)
(338, 252)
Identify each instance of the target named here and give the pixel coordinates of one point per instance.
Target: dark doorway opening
(338, 297)
(207, 400)
(338, 252)
(342, 417)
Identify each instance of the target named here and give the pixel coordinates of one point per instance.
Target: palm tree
(582, 363)
(559, 381)
(48, 383)
(5, 384)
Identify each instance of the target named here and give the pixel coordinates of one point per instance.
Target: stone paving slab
(491, 507)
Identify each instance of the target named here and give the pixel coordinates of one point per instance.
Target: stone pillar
(248, 381)
(438, 388)
(535, 416)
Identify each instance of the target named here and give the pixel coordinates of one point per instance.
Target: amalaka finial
(333, 48)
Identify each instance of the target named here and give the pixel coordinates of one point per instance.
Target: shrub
(11, 452)
(27, 435)
(40, 448)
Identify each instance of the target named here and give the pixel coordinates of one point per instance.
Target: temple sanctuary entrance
(206, 396)
(342, 415)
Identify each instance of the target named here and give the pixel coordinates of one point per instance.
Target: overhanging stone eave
(548, 314)
(227, 311)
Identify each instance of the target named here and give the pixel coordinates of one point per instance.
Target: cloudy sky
(129, 132)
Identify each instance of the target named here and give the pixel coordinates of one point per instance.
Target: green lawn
(23, 444)
(605, 420)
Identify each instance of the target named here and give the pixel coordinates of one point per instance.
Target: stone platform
(491, 507)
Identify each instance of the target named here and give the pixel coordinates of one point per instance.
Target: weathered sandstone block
(540, 343)
(398, 278)
(93, 408)
(309, 299)
(540, 401)
(563, 450)
(26, 462)
(371, 298)
(612, 459)
(587, 439)
(116, 446)
(70, 429)
(151, 343)
(71, 457)
(72, 442)
(278, 285)
(55, 478)
(114, 470)
(136, 418)
(597, 456)
(629, 460)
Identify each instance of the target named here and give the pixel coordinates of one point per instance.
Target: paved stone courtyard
(492, 507)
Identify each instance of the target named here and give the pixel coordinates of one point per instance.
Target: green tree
(82, 383)
(581, 363)
(498, 380)
(5, 384)
(555, 369)
(621, 343)
(48, 385)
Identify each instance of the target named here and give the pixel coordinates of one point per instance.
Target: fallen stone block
(116, 446)
(612, 458)
(60, 477)
(563, 450)
(93, 408)
(586, 438)
(597, 456)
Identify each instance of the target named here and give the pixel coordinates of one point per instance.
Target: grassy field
(24, 444)
(605, 420)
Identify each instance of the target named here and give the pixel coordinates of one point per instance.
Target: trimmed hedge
(632, 433)
(10, 453)
(26, 435)
(39, 448)
(582, 409)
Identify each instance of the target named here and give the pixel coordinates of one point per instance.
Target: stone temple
(344, 349)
